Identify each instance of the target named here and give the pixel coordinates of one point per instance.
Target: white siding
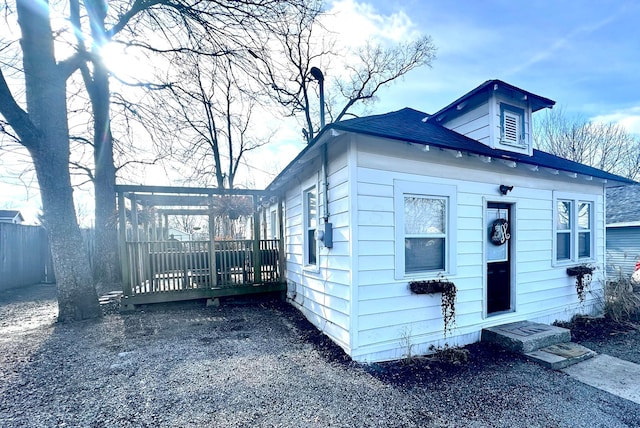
(323, 294)
(483, 123)
(387, 310)
(474, 124)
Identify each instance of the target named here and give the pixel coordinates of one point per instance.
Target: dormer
(495, 114)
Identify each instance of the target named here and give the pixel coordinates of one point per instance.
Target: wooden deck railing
(166, 266)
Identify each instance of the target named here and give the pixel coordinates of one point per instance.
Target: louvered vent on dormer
(510, 129)
(512, 126)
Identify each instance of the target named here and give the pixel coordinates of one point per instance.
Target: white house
(11, 216)
(376, 202)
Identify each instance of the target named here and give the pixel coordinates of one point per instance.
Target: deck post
(257, 275)
(213, 269)
(145, 225)
(135, 235)
(124, 259)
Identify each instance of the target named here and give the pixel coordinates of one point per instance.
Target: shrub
(621, 303)
(449, 354)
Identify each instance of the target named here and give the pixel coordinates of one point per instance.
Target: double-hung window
(574, 228)
(425, 234)
(310, 223)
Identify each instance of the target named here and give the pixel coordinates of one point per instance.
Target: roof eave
(309, 151)
(537, 102)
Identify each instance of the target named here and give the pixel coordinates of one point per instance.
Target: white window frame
(306, 240)
(426, 190)
(575, 199)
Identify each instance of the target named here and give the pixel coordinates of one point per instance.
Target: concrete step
(525, 336)
(548, 345)
(560, 356)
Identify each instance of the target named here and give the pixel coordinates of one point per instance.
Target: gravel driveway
(257, 362)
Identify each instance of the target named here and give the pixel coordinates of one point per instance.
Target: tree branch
(17, 118)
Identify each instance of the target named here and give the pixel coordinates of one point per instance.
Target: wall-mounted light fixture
(505, 189)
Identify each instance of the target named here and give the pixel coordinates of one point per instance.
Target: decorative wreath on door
(500, 231)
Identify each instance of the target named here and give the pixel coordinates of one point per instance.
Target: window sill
(311, 269)
(569, 263)
(419, 276)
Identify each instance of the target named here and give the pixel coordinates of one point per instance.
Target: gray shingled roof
(408, 125)
(623, 204)
(536, 101)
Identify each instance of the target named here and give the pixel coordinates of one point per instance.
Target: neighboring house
(178, 235)
(11, 216)
(376, 202)
(623, 229)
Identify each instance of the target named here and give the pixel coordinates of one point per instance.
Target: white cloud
(359, 22)
(628, 118)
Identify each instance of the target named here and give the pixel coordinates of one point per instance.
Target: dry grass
(621, 302)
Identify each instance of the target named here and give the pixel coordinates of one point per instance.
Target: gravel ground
(257, 362)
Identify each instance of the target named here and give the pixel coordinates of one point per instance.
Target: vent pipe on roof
(317, 74)
(327, 235)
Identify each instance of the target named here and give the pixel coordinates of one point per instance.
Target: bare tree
(42, 128)
(377, 67)
(606, 146)
(212, 107)
(187, 28)
(304, 43)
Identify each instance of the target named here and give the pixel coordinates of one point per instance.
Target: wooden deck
(163, 271)
(157, 268)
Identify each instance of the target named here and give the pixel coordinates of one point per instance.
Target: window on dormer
(512, 126)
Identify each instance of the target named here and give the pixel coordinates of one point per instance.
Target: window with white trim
(574, 233)
(310, 198)
(425, 233)
(512, 126)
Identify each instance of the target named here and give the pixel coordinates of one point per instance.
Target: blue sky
(585, 55)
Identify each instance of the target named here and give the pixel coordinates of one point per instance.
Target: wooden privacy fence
(25, 258)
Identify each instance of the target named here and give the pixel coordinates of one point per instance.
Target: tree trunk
(107, 271)
(77, 298)
(46, 105)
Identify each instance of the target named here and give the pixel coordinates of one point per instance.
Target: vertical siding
(24, 256)
(623, 249)
(322, 294)
(387, 310)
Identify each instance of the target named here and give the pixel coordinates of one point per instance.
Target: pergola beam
(129, 188)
